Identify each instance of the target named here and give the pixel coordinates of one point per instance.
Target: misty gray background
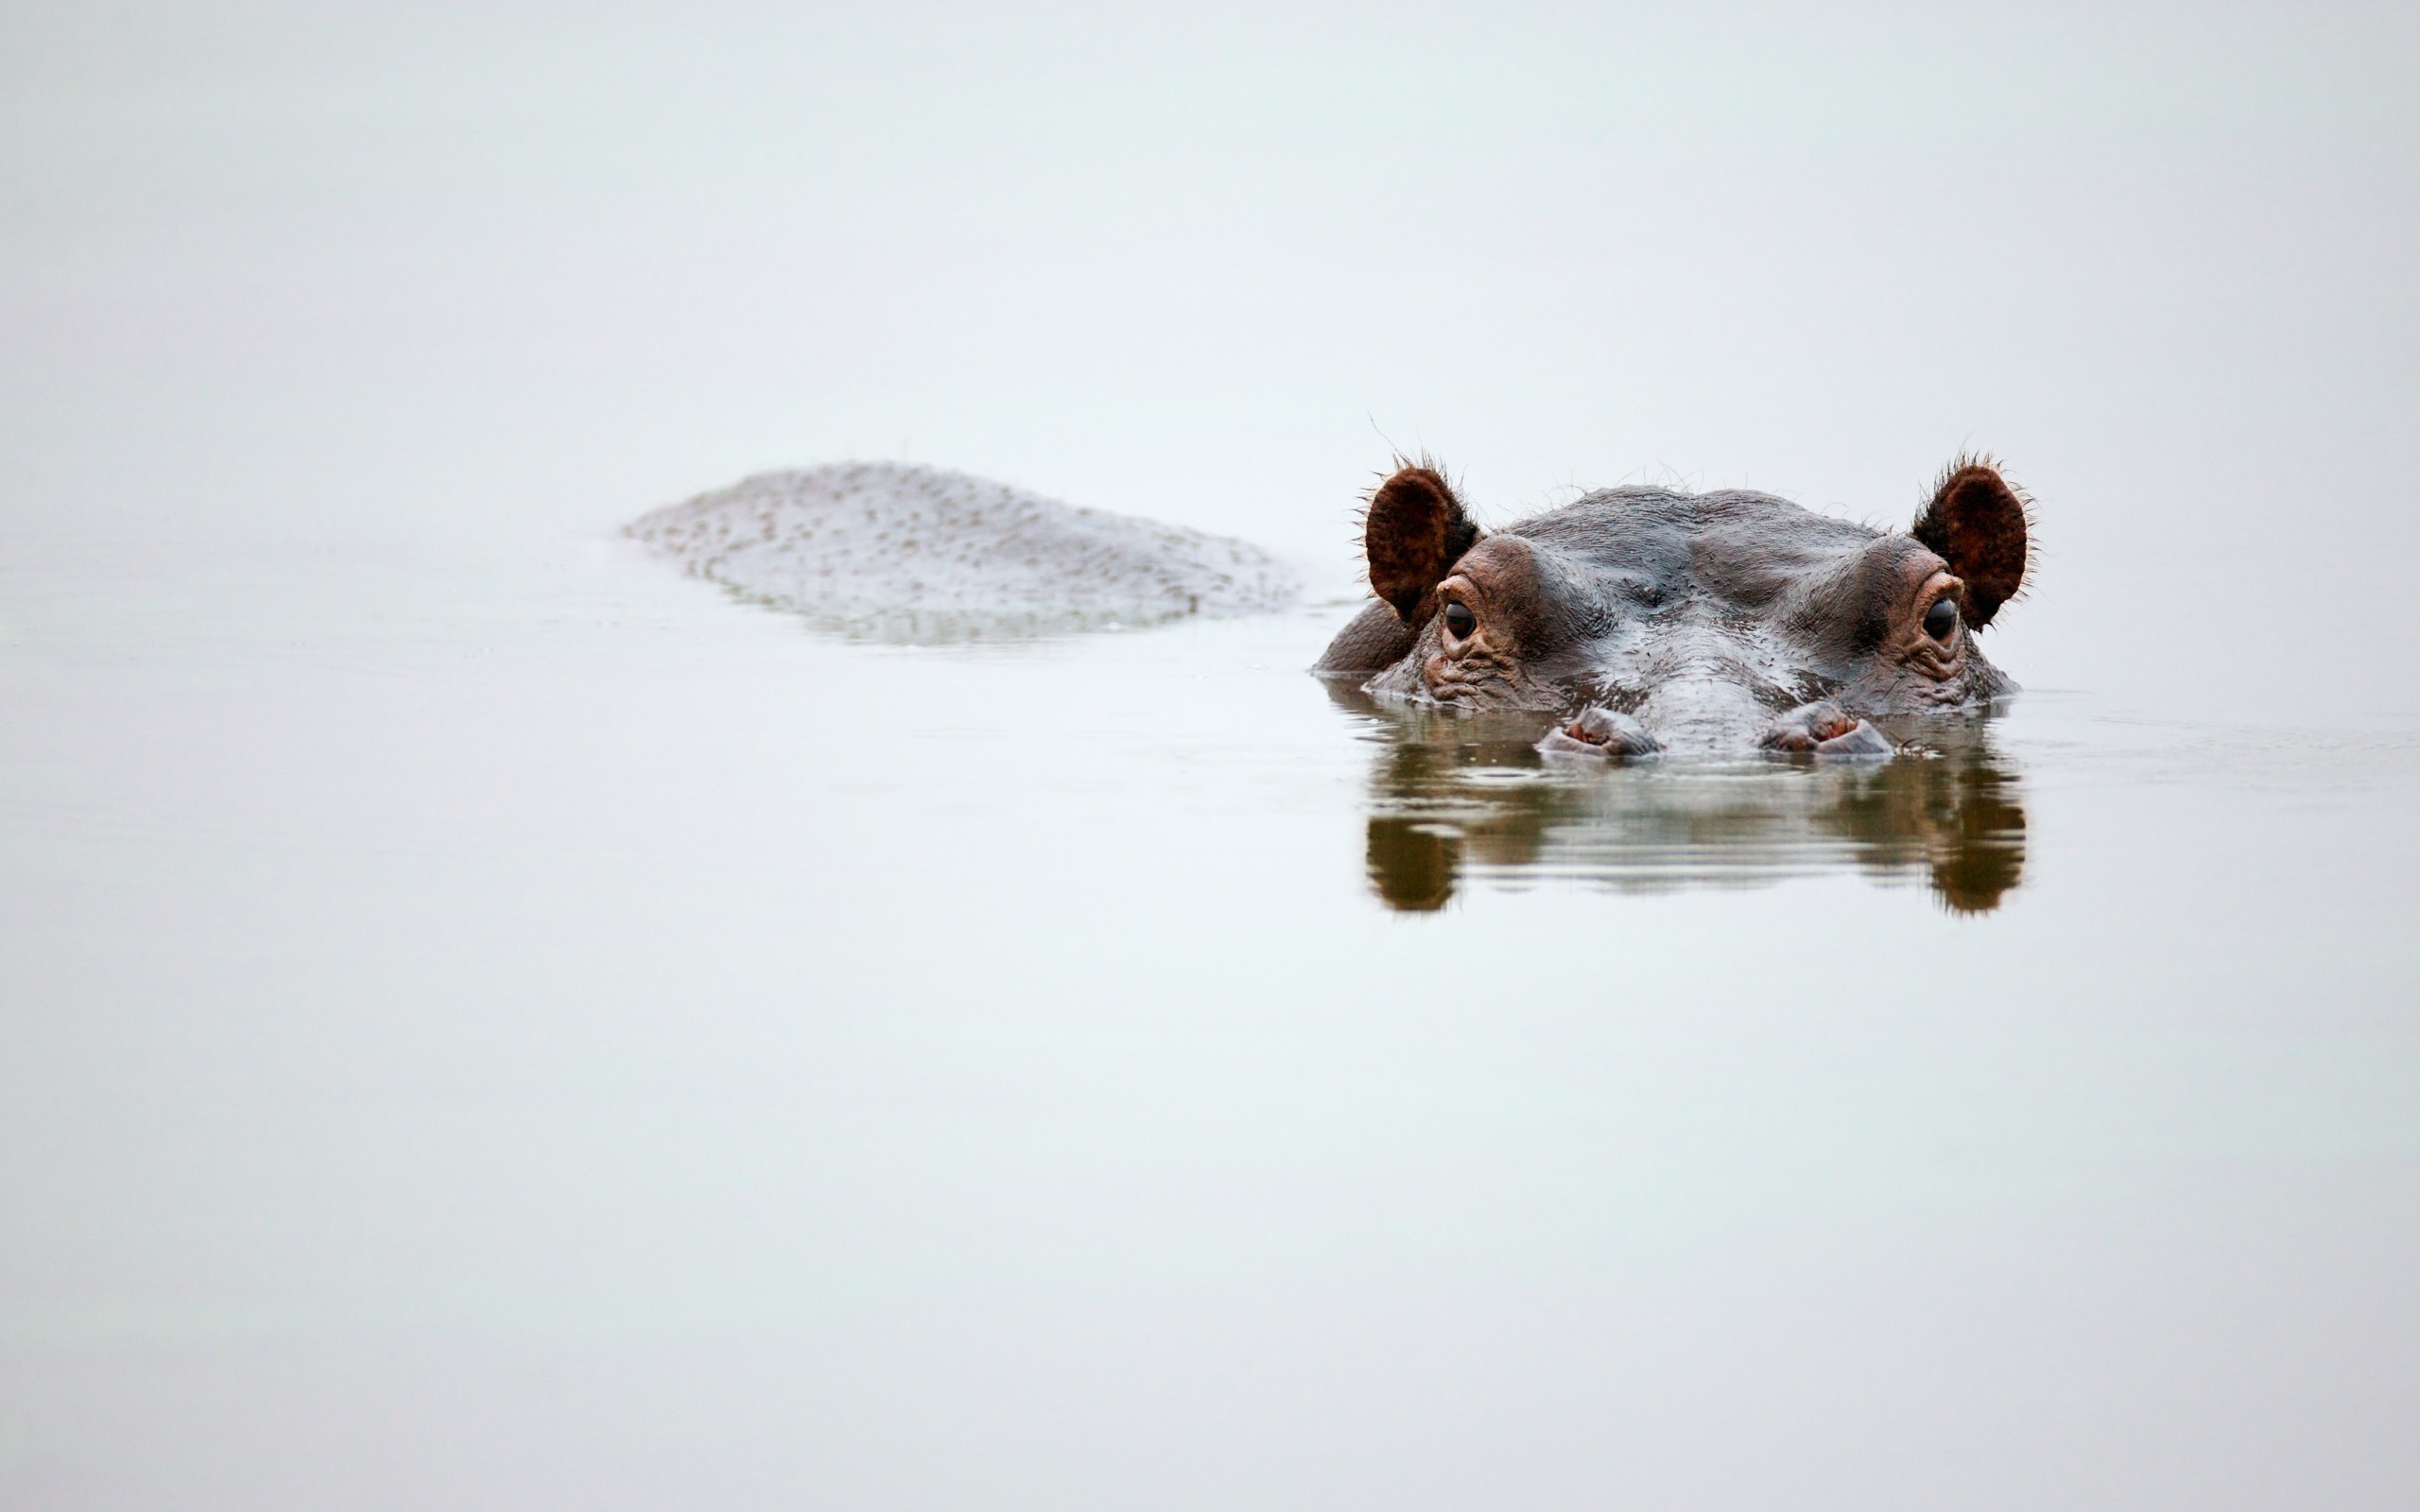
(513, 269)
(490, 1023)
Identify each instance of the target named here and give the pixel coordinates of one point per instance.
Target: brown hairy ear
(1415, 532)
(1979, 525)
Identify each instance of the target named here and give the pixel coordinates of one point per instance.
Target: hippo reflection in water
(1656, 622)
(1457, 798)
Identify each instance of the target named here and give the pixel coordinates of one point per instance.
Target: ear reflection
(1413, 865)
(1454, 799)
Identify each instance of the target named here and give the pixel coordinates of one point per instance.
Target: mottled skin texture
(1656, 621)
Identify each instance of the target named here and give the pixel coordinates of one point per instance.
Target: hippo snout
(1824, 730)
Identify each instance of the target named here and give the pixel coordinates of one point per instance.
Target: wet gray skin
(1704, 625)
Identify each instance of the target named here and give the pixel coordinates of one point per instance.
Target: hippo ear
(1415, 532)
(1980, 525)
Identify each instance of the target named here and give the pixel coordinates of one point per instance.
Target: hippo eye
(1459, 620)
(1941, 618)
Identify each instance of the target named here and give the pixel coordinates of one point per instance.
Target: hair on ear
(1412, 532)
(1982, 526)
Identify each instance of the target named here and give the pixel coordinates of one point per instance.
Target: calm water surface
(488, 1023)
(549, 1034)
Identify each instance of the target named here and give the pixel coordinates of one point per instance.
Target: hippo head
(1653, 620)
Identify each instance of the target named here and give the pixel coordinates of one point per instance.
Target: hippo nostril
(1941, 618)
(1599, 731)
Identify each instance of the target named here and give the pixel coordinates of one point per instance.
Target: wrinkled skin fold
(1652, 621)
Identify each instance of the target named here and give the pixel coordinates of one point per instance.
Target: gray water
(491, 1022)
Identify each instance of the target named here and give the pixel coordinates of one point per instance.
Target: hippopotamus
(1651, 621)
(890, 551)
